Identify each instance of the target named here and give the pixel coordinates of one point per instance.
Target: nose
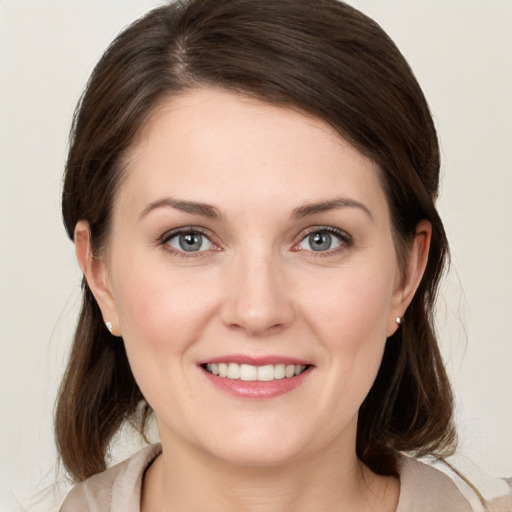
(258, 300)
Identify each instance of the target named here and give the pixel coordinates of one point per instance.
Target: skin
(255, 288)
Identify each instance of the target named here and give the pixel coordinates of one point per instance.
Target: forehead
(224, 147)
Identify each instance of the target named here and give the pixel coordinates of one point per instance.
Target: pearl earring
(398, 320)
(109, 326)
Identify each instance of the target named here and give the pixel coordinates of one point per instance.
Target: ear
(409, 280)
(96, 274)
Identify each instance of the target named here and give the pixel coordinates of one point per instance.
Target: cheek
(349, 315)
(351, 325)
(351, 306)
(161, 310)
(162, 315)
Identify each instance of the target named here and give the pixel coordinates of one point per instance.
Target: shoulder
(116, 489)
(423, 487)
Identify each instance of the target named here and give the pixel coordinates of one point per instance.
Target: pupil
(190, 242)
(320, 241)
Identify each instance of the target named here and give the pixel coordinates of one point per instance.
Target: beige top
(118, 489)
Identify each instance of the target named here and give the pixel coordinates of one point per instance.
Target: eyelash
(166, 237)
(345, 239)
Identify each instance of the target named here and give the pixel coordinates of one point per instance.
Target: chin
(262, 456)
(263, 447)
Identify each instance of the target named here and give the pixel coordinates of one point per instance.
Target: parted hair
(327, 60)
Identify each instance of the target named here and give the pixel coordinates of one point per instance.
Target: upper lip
(255, 360)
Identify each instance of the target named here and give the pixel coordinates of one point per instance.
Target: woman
(250, 188)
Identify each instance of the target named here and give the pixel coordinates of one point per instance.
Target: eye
(189, 241)
(324, 240)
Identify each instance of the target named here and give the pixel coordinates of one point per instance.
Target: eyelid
(168, 235)
(184, 229)
(345, 239)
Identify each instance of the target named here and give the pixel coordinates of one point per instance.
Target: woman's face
(253, 240)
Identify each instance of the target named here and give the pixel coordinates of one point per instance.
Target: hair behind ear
(410, 405)
(98, 393)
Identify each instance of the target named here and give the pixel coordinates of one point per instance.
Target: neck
(180, 481)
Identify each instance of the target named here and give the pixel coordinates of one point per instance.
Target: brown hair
(328, 60)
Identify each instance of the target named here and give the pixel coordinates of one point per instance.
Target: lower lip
(257, 389)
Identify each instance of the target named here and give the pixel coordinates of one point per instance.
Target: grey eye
(320, 241)
(190, 242)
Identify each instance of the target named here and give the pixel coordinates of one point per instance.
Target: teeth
(279, 371)
(266, 373)
(249, 372)
(233, 371)
(223, 370)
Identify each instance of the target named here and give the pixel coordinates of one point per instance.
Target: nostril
(236, 327)
(257, 328)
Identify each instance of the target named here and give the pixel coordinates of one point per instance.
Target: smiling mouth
(250, 373)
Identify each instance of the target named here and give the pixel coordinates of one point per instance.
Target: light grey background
(461, 53)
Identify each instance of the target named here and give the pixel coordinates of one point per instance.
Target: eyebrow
(202, 209)
(332, 204)
(206, 210)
